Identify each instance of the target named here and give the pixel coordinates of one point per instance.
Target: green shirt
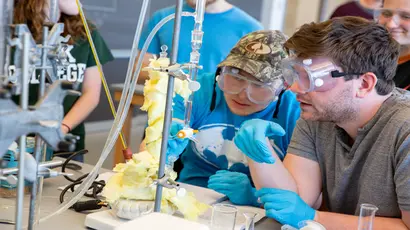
(80, 57)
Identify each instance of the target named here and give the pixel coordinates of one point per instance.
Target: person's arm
(88, 100)
(405, 217)
(335, 221)
(262, 179)
(143, 76)
(153, 49)
(298, 174)
(143, 146)
(287, 117)
(91, 86)
(402, 172)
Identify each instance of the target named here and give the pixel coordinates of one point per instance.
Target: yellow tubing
(97, 61)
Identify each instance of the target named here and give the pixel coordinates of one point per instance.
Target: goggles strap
(337, 73)
(212, 107)
(275, 114)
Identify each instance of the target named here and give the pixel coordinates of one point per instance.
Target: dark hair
(355, 44)
(31, 12)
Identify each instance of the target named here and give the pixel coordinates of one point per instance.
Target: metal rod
(38, 150)
(168, 105)
(6, 18)
(322, 10)
(24, 106)
(48, 164)
(44, 51)
(3, 36)
(54, 13)
(8, 30)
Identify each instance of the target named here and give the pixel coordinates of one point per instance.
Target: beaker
(223, 217)
(250, 220)
(367, 213)
(310, 225)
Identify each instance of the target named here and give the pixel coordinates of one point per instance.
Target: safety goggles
(232, 82)
(383, 16)
(311, 74)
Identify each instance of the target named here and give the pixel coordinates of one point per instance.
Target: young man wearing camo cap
(246, 86)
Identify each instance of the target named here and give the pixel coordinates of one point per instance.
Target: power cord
(96, 187)
(72, 166)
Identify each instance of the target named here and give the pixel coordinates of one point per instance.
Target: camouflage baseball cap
(259, 53)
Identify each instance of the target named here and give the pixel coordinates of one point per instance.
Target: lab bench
(70, 219)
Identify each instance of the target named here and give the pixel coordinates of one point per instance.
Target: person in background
(82, 66)
(395, 16)
(358, 8)
(223, 25)
(352, 142)
(247, 85)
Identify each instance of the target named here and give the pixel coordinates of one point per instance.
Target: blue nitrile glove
(235, 185)
(285, 206)
(251, 139)
(175, 145)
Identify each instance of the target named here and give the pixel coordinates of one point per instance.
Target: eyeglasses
(232, 82)
(384, 15)
(317, 74)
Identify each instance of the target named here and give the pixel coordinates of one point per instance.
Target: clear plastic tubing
(199, 11)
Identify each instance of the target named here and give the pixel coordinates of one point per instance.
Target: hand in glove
(235, 185)
(285, 206)
(251, 139)
(175, 145)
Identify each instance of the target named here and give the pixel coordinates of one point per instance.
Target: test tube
(367, 213)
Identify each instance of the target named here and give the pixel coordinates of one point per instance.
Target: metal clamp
(176, 70)
(167, 182)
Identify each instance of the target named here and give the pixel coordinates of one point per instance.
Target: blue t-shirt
(215, 149)
(221, 32)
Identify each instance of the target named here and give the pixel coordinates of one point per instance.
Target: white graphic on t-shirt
(211, 140)
(215, 145)
(74, 72)
(71, 59)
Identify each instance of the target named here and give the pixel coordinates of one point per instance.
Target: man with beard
(352, 143)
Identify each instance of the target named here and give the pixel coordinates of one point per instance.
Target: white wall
(298, 12)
